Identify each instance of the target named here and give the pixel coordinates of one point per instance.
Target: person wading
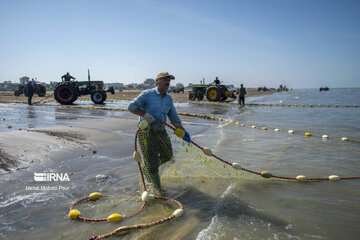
(30, 90)
(242, 93)
(151, 105)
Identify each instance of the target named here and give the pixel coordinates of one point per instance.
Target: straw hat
(165, 74)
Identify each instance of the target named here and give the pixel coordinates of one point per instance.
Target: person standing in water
(151, 105)
(30, 90)
(242, 93)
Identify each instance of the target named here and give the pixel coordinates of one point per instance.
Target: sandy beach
(31, 146)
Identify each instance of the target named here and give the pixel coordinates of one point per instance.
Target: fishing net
(167, 157)
(155, 149)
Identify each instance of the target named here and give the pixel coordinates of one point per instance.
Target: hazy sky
(302, 44)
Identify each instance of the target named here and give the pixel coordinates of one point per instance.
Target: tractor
(39, 89)
(198, 92)
(214, 93)
(67, 92)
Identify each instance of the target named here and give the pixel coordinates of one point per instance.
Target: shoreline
(23, 147)
(126, 95)
(40, 143)
(28, 147)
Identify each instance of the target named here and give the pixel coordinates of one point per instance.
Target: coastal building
(8, 86)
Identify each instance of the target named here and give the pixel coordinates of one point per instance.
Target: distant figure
(280, 89)
(67, 77)
(30, 90)
(216, 81)
(242, 93)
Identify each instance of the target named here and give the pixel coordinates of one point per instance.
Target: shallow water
(219, 203)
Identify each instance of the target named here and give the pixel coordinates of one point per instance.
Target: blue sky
(302, 44)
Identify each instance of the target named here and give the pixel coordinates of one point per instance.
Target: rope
(95, 107)
(254, 172)
(301, 105)
(213, 118)
(134, 227)
(173, 216)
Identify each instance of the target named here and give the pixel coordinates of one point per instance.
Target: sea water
(219, 202)
(250, 207)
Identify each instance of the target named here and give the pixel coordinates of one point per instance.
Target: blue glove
(187, 137)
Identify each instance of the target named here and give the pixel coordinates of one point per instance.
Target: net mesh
(165, 156)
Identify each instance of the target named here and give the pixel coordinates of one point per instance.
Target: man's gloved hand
(150, 119)
(187, 137)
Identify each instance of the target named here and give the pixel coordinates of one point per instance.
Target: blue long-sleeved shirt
(152, 102)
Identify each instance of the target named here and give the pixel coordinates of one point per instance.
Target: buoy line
(22, 97)
(75, 214)
(301, 105)
(278, 104)
(291, 132)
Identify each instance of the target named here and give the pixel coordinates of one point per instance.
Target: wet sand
(24, 147)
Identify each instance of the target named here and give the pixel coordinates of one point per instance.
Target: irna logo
(48, 177)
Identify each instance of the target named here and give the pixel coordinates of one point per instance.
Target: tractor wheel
(65, 93)
(213, 94)
(25, 91)
(192, 96)
(41, 90)
(16, 93)
(200, 97)
(98, 96)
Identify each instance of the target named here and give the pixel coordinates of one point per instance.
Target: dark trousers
(242, 100)
(30, 92)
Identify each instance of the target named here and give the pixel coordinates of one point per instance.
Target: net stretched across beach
(156, 149)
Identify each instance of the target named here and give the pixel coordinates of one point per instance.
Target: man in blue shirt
(151, 105)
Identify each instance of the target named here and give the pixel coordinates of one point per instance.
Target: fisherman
(242, 93)
(30, 90)
(151, 105)
(67, 77)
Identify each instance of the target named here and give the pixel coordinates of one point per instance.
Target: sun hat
(165, 74)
